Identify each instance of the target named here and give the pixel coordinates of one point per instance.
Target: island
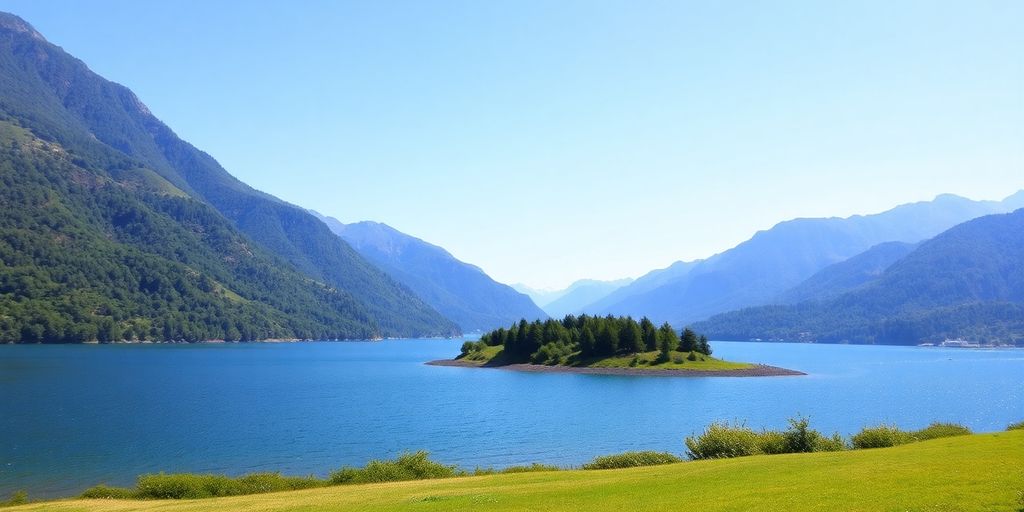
(604, 346)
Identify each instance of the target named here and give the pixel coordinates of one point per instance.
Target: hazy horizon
(551, 142)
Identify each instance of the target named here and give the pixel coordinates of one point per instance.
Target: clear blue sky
(550, 140)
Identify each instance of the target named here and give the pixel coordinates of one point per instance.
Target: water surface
(72, 416)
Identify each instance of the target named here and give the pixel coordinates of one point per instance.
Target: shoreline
(757, 370)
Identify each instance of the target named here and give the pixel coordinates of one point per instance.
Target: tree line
(588, 337)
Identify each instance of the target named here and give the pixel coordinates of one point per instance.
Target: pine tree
(588, 342)
(630, 337)
(689, 342)
(649, 333)
(607, 340)
(667, 340)
(703, 346)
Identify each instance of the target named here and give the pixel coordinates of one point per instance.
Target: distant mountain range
(540, 297)
(763, 268)
(460, 291)
(581, 294)
(169, 245)
(967, 282)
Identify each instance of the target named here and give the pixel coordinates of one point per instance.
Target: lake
(76, 415)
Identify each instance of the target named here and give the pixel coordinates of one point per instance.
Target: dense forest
(145, 179)
(86, 257)
(584, 338)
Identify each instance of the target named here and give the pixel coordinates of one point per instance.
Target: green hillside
(966, 282)
(108, 134)
(980, 472)
(87, 257)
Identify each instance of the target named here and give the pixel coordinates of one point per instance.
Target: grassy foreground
(978, 472)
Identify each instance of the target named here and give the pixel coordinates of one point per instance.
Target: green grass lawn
(978, 472)
(644, 360)
(677, 361)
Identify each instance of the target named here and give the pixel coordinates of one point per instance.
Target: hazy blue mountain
(966, 282)
(581, 294)
(460, 291)
(109, 131)
(645, 283)
(757, 271)
(839, 278)
(540, 297)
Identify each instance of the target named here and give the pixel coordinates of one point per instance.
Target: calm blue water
(74, 416)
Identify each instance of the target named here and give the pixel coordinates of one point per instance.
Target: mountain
(581, 294)
(836, 279)
(110, 137)
(966, 282)
(757, 271)
(460, 291)
(645, 283)
(540, 297)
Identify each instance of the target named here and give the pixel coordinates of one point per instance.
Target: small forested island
(601, 345)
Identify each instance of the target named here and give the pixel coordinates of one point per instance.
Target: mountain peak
(1015, 200)
(13, 23)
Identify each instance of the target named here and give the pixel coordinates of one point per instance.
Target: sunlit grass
(964, 473)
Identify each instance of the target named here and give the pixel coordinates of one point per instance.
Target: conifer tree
(689, 341)
(649, 333)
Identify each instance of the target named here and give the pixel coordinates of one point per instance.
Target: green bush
(256, 483)
(721, 440)
(772, 442)
(531, 468)
(836, 443)
(192, 486)
(632, 460)
(181, 486)
(408, 466)
(882, 436)
(103, 492)
(937, 430)
(799, 438)
(1016, 426)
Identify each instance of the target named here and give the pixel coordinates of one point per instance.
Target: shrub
(836, 443)
(881, 436)
(1016, 426)
(937, 430)
(632, 460)
(531, 468)
(345, 475)
(408, 466)
(799, 438)
(103, 492)
(772, 442)
(691, 357)
(721, 440)
(256, 483)
(185, 486)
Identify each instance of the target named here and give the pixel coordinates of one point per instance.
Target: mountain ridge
(460, 291)
(965, 282)
(105, 125)
(774, 260)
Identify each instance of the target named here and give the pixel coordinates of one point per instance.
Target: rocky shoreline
(757, 370)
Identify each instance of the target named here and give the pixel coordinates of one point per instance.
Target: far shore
(757, 370)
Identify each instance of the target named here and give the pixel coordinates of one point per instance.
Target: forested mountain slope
(106, 130)
(966, 282)
(460, 291)
(757, 271)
